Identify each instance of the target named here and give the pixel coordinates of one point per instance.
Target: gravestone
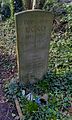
(33, 29)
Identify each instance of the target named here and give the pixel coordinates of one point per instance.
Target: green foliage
(12, 7)
(59, 90)
(5, 10)
(31, 107)
(11, 89)
(58, 83)
(53, 6)
(6, 1)
(16, 6)
(28, 106)
(60, 59)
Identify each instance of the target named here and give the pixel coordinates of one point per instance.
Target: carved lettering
(33, 35)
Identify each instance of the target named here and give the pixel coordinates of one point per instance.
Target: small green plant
(58, 88)
(31, 107)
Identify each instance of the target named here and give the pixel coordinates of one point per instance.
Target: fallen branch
(18, 109)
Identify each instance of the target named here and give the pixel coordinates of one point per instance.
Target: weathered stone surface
(33, 38)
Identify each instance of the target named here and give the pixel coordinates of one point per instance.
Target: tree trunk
(38, 4)
(27, 4)
(33, 4)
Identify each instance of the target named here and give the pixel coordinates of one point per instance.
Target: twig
(7, 113)
(18, 109)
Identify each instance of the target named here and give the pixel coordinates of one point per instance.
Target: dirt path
(7, 109)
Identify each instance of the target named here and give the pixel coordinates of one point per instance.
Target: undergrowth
(59, 90)
(57, 84)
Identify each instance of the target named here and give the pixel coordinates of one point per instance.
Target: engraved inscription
(33, 35)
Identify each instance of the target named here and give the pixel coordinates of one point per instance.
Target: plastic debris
(40, 100)
(44, 99)
(23, 92)
(29, 96)
(37, 100)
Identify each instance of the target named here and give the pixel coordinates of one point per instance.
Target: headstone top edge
(36, 10)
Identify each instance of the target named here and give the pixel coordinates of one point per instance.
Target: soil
(7, 109)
